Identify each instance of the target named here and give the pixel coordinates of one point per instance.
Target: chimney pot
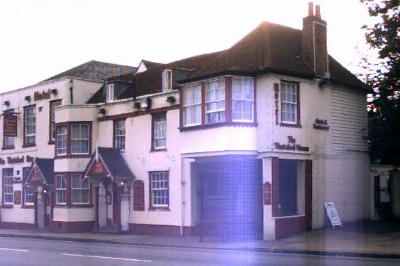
(318, 11)
(310, 9)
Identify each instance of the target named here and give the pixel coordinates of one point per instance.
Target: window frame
(242, 99)
(69, 153)
(5, 145)
(119, 139)
(79, 188)
(25, 125)
(9, 184)
(65, 139)
(79, 139)
(63, 189)
(152, 205)
(110, 92)
(154, 139)
(191, 106)
(52, 123)
(215, 101)
(296, 104)
(26, 189)
(227, 80)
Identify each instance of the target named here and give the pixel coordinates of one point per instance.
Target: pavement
(373, 240)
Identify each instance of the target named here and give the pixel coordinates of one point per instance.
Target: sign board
(332, 214)
(97, 169)
(10, 125)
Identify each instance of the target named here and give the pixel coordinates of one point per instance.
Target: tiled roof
(95, 70)
(115, 163)
(268, 48)
(46, 166)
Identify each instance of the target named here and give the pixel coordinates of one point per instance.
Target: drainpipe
(183, 187)
(71, 92)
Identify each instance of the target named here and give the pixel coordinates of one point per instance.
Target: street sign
(332, 214)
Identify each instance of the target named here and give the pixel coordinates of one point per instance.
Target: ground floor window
(8, 191)
(61, 189)
(159, 189)
(79, 189)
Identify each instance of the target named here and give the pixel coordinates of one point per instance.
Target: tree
(383, 36)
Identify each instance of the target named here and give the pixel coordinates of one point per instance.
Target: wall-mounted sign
(17, 197)
(10, 124)
(321, 124)
(37, 96)
(16, 159)
(291, 145)
(97, 169)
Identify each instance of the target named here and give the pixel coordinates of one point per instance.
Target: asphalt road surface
(34, 252)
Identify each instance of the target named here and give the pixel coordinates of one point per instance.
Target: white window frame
(189, 107)
(61, 189)
(30, 123)
(110, 92)
(285, 100)
(79, 138)
(159, 185)
(159, 128)
(61, 150)
(240, 82)
(119, 134)
(208, 101)
(7, 180)
(167, 80)
(81, 189)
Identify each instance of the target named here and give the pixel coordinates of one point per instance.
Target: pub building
(244, 143)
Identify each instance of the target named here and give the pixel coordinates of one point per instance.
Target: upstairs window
(215, 101)
(29, 126)
(110, 93)
(80, 138)
(10, 121)
(61, 139)
(159, 131)
(52, 129)
(167, 80)
(289, 96)
(119, 134)
(79, 189)
(242, 99)
(192, 106)
(8, 190)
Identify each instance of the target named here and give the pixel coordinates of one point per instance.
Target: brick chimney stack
(314, 42)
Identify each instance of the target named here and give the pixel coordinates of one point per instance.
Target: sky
(40, 38)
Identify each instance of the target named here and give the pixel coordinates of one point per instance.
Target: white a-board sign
(332, 214)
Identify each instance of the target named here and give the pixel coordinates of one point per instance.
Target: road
(37, 252)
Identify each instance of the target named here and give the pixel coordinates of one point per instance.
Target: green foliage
(383, 36)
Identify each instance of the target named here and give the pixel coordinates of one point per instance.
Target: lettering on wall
(16, 159)
(321, 124)
(37, 96)
(291, 145)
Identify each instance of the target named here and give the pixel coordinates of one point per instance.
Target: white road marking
(104, 258)
(14, 249)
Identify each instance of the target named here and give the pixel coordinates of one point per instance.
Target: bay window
(73, 139)
(29, 125)
(289, 102)
(8, 190)
(192, 106)
(61, 190)
(242, 99)
(61, 140)
(79, 189)
(215, 101)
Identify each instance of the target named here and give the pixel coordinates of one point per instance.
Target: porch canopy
(108, 163)
(40, 174)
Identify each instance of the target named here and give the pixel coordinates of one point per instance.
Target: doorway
(108, 207)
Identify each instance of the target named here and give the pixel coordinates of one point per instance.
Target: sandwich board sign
(332, 214)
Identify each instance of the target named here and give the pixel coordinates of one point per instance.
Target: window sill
(67, 156)
(158, 150)
(8, 148)
(28, 145)
(166, 209)
(223, 124)
(7, 206)
(86, 205)
(28, 206)
(290, 125)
